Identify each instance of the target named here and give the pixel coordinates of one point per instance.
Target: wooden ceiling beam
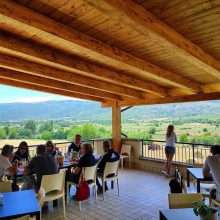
(174, 99)
(133, 14)
(21, 48)
(38, 88)
(36, 80)
(28, 23)
(64, 76)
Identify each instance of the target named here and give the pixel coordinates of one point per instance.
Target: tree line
(49, 130)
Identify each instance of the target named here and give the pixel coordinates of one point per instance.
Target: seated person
(42, 164)
(87, 160)
(75, 146)
(211, 167)
(109, 156)
(5, 164)
(22, 152)
(50, 148)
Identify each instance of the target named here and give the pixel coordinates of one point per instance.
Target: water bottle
(1, 200)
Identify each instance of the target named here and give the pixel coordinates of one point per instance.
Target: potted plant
(204, 211)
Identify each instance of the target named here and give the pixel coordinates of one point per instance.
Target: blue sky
(10, 94)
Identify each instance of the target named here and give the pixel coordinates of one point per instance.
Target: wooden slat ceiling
(134, 52)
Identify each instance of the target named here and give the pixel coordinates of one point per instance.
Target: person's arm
(175, 138)
(69, 148)
(29, 169)
(6, 164)
(12, 169)
(76, 170)
(206, 169)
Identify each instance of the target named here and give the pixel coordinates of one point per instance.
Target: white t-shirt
(170, 141)
(212, 163)
(4, 165)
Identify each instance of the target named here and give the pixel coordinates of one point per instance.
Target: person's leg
(166, 163)
(170, 158)
(98, 184)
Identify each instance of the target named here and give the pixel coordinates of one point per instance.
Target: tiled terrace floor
(142, 195)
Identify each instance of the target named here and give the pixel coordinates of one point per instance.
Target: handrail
(189, 143)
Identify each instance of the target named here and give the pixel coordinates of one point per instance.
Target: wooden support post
(116, 127)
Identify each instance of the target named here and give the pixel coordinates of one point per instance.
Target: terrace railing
(187, 153)
(63, 146)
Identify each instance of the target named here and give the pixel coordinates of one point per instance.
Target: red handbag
(83, 191)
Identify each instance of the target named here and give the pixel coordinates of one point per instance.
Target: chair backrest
(53, 182)
(40, 196)
(90, 172)
(179, 177)
(5, 186)
(111, 168)
(183, 200)
(126, 149)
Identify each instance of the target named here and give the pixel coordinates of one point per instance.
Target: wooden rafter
(36, 53)
(55, 84)
(26, 85)
(140, 19)
(28, 23)
(52, 73)
(176, 99)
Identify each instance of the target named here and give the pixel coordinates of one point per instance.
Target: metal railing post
(193, 146)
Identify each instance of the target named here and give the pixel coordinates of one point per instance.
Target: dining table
(197, 174)
(180, 214)
(18, 204)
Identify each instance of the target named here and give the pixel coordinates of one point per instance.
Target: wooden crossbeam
(52, 73)
(36, 80)
(166, 100)
(140, 19)
(26, 85)
(28, 23)
(53, 58)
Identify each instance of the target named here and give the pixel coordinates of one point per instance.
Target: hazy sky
(10, 94)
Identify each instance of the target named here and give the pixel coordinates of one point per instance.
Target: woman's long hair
(50, 143)
(170, 130)
(21, 145)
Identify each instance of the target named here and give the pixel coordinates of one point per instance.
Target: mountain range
(85, 110)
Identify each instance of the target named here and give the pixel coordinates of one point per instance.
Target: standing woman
(169, 149)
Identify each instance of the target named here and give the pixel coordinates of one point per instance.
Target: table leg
(188, 180)
(38, 216)
(162, 216)
(198, 186)
(112, 184)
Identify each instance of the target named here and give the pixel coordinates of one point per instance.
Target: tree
(46, 135)
(60, 134)
(183, 138)
(6, 128)
(31, 125)
(205, 129)
(152, 130)
(47, 126)
(2, 133)
(13, 133)
(25, 133)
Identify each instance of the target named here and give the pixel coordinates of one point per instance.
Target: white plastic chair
(89, 173)
(53, 186)
(125, 153)
(110, 168)
(5, 186)
(204, 188)
(183, 200)
(40, 196)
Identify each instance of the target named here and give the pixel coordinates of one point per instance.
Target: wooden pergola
(116, 52)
